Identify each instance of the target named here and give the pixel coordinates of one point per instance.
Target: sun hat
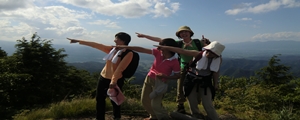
(184, 28)
(215, 47)
(116, 95)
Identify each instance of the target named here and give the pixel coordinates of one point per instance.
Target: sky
(226, 21)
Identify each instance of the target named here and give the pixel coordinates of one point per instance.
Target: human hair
(169, 42)
(124, 37)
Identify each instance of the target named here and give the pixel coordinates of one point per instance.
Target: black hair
(169, 42)
(124, 37)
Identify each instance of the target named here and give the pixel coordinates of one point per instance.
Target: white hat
(215, 47)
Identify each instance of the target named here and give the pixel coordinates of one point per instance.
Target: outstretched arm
(155, 39)
(98, 46)
(193, 53)
(135, 48)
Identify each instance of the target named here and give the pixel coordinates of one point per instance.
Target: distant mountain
(232, 67)
(80, 53)
(239, 59)
(267, 49)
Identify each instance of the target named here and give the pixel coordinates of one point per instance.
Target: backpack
(131, 68)
(197, 42)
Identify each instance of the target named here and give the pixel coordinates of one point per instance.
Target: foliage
(131, 90)
(36, 75)
(275, 73)
(2, 53)
(265, 95)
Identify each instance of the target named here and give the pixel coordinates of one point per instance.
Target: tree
(2, 53)
(275, 73)
(36, 74)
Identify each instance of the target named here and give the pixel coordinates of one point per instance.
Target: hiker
(185, 34)
(156, 81)
(202, 77)
(111, 74)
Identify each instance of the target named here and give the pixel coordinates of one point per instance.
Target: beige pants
(155, 109)
(194, 99)
(180, 95)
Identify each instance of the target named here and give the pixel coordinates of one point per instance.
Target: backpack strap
(124, 53)
(198, 44)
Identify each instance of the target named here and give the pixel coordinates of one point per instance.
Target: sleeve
(155, 51)
(121, 67)
(98, 46)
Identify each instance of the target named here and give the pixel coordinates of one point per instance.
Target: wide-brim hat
(215, 47)
(184, 28)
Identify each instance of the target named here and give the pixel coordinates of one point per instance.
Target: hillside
(240, 59)
(233, 67)
(249, 50)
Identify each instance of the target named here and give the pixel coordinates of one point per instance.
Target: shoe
(180, 109)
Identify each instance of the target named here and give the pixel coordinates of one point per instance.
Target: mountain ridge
(80, 53)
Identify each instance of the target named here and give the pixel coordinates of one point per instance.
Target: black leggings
(102, 87)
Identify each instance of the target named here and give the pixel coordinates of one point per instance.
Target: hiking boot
(180, 109)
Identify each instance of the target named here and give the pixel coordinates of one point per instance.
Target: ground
(142, 115)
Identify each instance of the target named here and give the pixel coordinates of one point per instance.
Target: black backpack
(131, 68)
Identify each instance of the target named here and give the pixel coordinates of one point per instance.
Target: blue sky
(227, 21)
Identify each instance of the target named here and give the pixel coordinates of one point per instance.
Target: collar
(171, 58)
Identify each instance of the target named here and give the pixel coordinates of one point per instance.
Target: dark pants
(102, 87)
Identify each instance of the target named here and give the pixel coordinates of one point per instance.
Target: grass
(86, 107)
(73, 109)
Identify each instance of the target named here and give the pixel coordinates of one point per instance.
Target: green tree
(275, 73)
(36, 74)
(2, 53)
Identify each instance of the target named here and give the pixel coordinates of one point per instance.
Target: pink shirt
(164, 66)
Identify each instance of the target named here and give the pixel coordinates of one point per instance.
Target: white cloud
(272, 5)
(106, 23)
(243, 19)
(15, 4)
(162, 10)
(128, 8)
(50, 21)
(15, 32)
(22, 18)
(278, 36)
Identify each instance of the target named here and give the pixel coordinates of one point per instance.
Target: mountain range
(239, 59)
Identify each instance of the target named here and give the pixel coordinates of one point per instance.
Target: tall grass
(65, 109)
(86, 108)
